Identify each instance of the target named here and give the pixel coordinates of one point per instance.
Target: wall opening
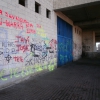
(37, 7)
(23, 2)
(98, 46)
(48, 13)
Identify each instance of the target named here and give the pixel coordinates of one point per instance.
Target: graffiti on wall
(77, 49)
(86, 48)
(66, 50)
(26, 52)
(87, 44)
(16, 22)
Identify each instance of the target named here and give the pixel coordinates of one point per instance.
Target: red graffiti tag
(39, 26)
(16, 22)
(22, 43)
(15, 17)
(16, 25)
(31, 31)
(0, 21)
(53, 44)
(18, 59)
(29, 25)
(9, 15)
(0, 12)
(23, 48)
(22, 39)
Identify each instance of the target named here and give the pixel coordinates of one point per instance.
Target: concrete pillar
(94, 42)
(89, 45)
(87, 40)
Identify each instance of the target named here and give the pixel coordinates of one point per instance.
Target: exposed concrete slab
(69, 4)
(91, 29)
(97, 21)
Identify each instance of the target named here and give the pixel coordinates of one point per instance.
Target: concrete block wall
(28, 40)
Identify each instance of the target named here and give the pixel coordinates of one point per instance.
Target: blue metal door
(64, 42)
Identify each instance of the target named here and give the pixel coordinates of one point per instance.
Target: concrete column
(94, 42)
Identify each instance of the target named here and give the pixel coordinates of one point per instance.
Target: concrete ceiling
(86, 17)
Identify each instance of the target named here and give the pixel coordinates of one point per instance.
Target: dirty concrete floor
(79, 80)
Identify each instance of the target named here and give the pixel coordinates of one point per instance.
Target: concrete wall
(58, 4)
(28, 40)
(89, 44)
(77, 43)
(94, 42)
(88, 41)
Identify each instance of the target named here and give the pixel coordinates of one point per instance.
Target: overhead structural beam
(72, 4)
(97, 39)
(97, 31)
(92, 29)
(97, 34)
(87, 22)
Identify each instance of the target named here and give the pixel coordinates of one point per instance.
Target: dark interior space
(22, 2)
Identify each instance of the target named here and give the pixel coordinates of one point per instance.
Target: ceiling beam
(92, 29)
(97, 21)
(97, 31)
(58, 7)
(97, 36)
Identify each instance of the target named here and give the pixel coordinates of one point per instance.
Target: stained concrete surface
(79, 80)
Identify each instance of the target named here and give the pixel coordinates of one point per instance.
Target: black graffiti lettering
(51, 51)
(7, 50)
(13, 51)
(48, 48)
(8, 58)
(39, 49)
(1, 52)
(41, 52)
(36, 55)
(29, 62)
(8, 44)
(32, 48)
(86, 48)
